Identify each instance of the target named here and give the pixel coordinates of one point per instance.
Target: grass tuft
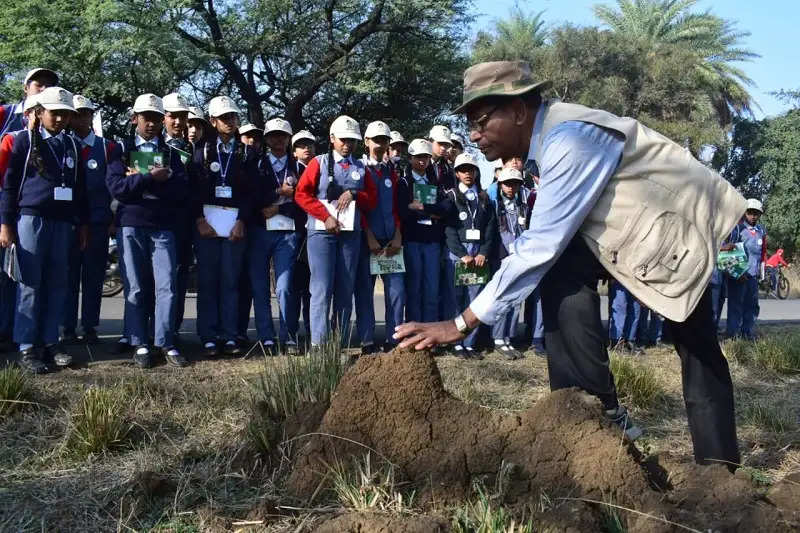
(636, 383)
(768, 416)
(98, 424)
(483, 515)
(15, 390)
(362, 486)
(776, 352)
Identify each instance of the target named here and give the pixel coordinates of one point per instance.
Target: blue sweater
(35, 194)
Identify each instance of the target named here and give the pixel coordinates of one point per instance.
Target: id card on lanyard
(62, 193)
(472, 234)
(224, 190)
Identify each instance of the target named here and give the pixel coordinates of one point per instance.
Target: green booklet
(387, 264)
(471, 274)
(142, 161)
(425, 194)
(733, 262)
(185, 156)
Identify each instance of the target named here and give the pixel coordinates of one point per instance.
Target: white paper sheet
(346, 217)
(221, 218)
(280, 223)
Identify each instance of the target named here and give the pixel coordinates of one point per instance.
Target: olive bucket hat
(498, 78)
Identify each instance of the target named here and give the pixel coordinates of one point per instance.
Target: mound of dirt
(559, 450)
(376, 523)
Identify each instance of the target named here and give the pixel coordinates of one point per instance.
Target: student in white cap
(252, 136)
(228, 177)
(275, 240)
(423, 233)
(196, 126)
(304, 147)
(146, 218)
(456, 148)
(44, 198)
(398, 153)
(337, 178)
(381, 236)
(87, 267)
(12, 117)
(471, 233)
(441, 144)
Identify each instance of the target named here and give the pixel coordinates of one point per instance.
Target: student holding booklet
(329, 185)
(224, 202)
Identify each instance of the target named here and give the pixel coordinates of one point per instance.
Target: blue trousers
(281, 248)
(8, 304)
(505, 329)
(394, 295)
(43, 254)
(245, 295)
(533, 318)
(625, 313)
(332, 260)
(651, 326)
(149, 254)
(301, 282)
(219, 266)
(463, 296)
(743, 306)
(448, 300)
(422, 280)
(719, 292)
(87, 270)
(184, 255)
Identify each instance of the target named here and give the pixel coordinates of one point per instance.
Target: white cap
(440, 134)
(465, 159)
(34, 72)
(498, 163)
(278, 125)
(303, 134)
(195, 113)
(81, 102)
(509, 174)
(247, 128)
(148, 102)
(220, 105)
(175, 103)
(377, 129)
(30, 103)
(420, 147)
(752, 203)
(55, 98)
(395, 137)
(457, 139)
(345, 127)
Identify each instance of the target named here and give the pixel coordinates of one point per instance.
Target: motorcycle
(112, 284)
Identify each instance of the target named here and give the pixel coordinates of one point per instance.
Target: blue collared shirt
(577, 161)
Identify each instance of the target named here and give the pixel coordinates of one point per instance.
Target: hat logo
(152, 100)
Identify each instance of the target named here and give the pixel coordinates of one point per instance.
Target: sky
(774, 26)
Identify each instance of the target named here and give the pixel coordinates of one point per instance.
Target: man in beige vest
(615, 198)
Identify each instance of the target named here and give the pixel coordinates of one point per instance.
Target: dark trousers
(577, 355)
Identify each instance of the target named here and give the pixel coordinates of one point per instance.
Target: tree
(668, 23)
(517, 38)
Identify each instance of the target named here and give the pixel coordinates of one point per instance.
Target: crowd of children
(246, 206)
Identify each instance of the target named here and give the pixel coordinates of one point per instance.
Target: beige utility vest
(658, 224)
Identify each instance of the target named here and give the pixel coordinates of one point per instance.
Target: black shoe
(231, 349)
(388, 347)
(30, 360)
(90, 337)
(123, 345)
(142, 357)
(211, 350)
(174, 357)
(58, 354)
(69, 337)
(509, 352)
(269, 348)
(472, 353)
(368, 349)
(292, 349)
(635, 349)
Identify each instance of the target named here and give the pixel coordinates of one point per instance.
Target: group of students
(239, 201)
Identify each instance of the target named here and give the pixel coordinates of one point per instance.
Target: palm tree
(671, 23)
(518, 37)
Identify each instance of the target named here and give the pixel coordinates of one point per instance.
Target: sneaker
(30, 360)
(210, 349)
(368, 349)
(174, 357)
(509, 352)
(269, 348)
(231, 349)
(142, 357)
(472, 353)
(459, 351)
(69, 337)
(621, 418)
(60, 356)
(635, 349)
(90, 337)
(123, 345)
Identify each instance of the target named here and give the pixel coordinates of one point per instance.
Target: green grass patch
(777, 352)
(769, 417)
(15, 390)
(98, 423)
(483, 514)
(636, 382)
(364, 486)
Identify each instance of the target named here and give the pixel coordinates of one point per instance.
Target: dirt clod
(376, 523)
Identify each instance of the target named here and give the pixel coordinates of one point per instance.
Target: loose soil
(560, 450)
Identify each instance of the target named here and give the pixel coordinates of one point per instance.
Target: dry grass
(636, 383)
(188, 463)
(15, 390)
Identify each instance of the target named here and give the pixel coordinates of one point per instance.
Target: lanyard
(281, 181)
(472, 213)
(223, 170)
(62, 162)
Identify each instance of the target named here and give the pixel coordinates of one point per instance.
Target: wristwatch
(461, 324)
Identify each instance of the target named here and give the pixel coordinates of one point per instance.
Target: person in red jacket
(772, 264)
(336, 189)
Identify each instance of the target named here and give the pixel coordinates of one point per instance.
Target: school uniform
(301, 275)
(625, 312)
(719, 292)
(469, 211)
(226, 176)
(333, 258)
(87, 268)
(513, 216)
(147, 218)
(743, 305)
(383, 221)
(45, 205)
(12, 118)
(8, 287)
(279, 246)
(443, 175)
(423, 233)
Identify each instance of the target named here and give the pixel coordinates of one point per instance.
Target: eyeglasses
(479, 124)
